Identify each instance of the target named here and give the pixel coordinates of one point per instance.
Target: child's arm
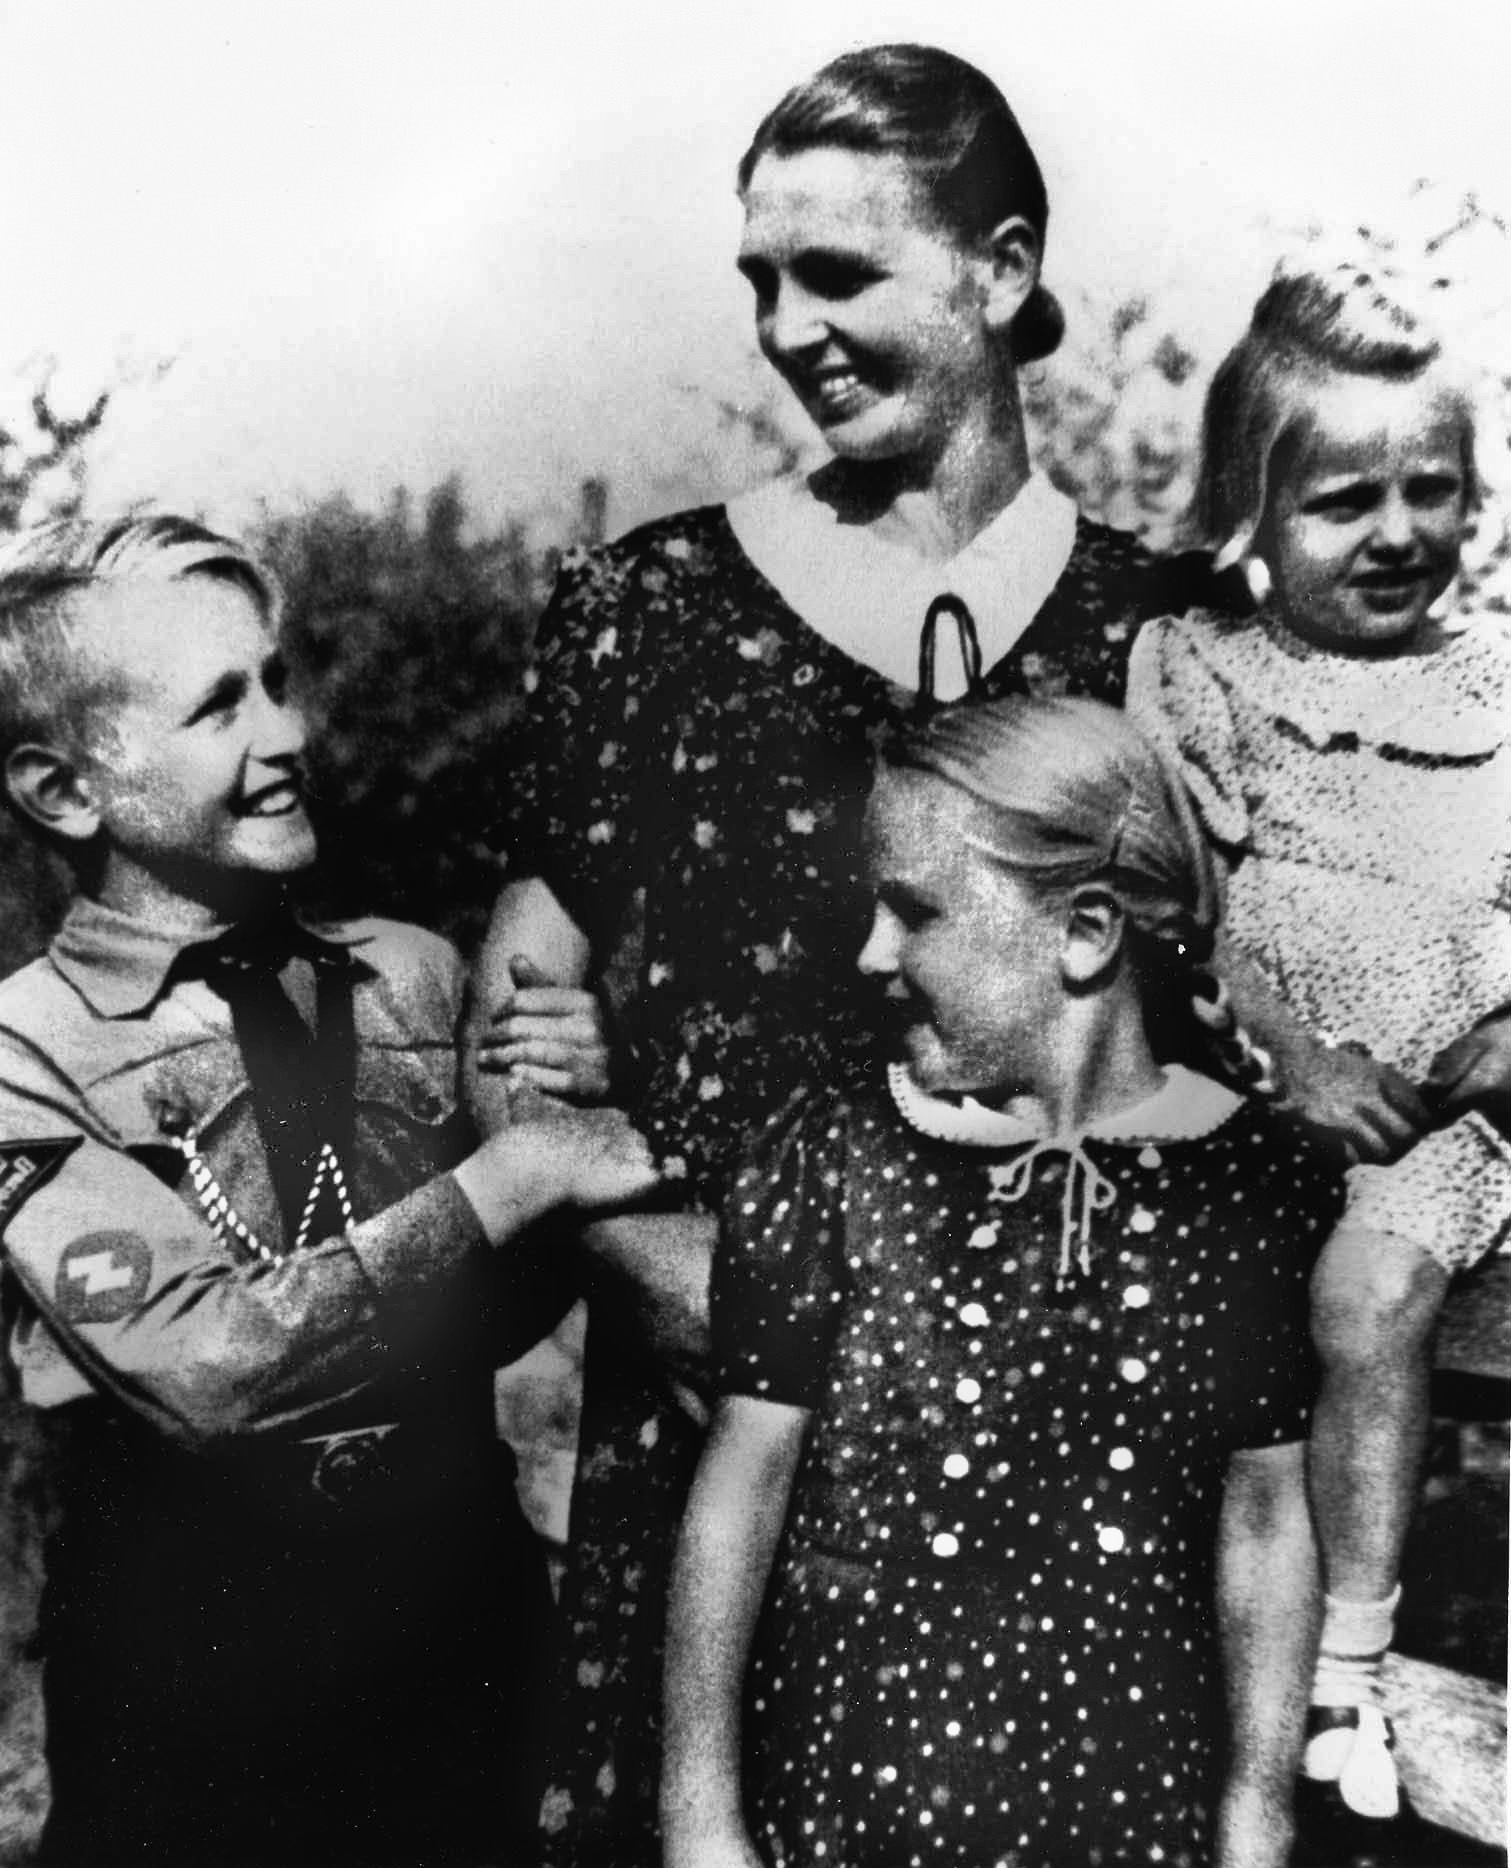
(530, 1018)
(140, 1300)
(1345, 1096)
(554, 1155)
(651, 1271)
(652, 1267)
(1268, 1598)
(1474, 1073)
(734, 1520)
(1180, 696)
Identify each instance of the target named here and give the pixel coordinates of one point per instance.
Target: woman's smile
(835, 395)
(871, 311)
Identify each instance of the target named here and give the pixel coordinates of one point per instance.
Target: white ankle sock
(1355, 1756)
(1355, 1637)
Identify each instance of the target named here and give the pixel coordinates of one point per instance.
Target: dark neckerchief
(302, 1082)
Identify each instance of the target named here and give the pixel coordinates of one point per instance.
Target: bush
(407, 643)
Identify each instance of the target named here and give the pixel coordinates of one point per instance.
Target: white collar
(1184, 1107)
(869, 595)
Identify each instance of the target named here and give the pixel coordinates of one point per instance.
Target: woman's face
(971, 953)
(875, 315)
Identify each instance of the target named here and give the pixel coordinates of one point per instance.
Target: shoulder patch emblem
(102, 1277)
(26, 1166)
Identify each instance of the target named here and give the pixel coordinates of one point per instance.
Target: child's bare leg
(1374, 1301)
(1375, 1298)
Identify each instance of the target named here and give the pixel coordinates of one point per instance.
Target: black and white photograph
(755, 934)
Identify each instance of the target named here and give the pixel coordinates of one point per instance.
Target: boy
(248, 1248)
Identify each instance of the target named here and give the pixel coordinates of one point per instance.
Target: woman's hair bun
(1038, 327)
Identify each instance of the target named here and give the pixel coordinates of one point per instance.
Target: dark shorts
(242, 1669)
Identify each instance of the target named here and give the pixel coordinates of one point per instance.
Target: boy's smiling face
(196, 778)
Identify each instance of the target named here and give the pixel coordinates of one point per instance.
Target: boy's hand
(1474, 1072)
(589, 1157)
(551, 1154)
(550, 1038)
(1369, 1109)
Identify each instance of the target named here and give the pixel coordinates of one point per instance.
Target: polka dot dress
(690, 777)
(991, 1632)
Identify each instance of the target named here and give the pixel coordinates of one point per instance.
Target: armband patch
(26, 1166)
(102, 1277)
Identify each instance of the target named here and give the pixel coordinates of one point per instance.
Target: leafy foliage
(42, 463)
(42, 474)
(1114, 415)
(43, 459)
(408, 640)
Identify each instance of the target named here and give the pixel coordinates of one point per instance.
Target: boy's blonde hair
(1307, 327)
(57, 686)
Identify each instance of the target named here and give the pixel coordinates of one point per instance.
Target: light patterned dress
(1366, 804)
(991, 1636)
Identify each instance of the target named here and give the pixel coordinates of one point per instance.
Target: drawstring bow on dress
(1087, 1192)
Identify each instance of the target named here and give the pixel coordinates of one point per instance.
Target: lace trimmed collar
(869, 595)
(1185, 1107)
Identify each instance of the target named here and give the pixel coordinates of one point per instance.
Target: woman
(684, 803)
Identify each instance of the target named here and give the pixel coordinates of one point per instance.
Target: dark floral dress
(991, 1635)
(690, 781)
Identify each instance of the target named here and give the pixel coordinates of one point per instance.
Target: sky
(335, 245)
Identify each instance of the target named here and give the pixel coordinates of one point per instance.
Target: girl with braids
(1351, 758)
(1013, 1368)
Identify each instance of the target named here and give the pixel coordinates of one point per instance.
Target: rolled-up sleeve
(128, 1286)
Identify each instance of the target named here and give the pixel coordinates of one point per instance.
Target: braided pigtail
(1189, 1010)
(1247, 1065)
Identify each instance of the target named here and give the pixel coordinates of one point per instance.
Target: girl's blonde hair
(1071, 792)
(1307, 326)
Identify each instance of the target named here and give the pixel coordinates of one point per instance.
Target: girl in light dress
(1349, 753)
(1012, 1355)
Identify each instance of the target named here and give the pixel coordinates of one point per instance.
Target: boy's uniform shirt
(111, 1050)
(293, 1611)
